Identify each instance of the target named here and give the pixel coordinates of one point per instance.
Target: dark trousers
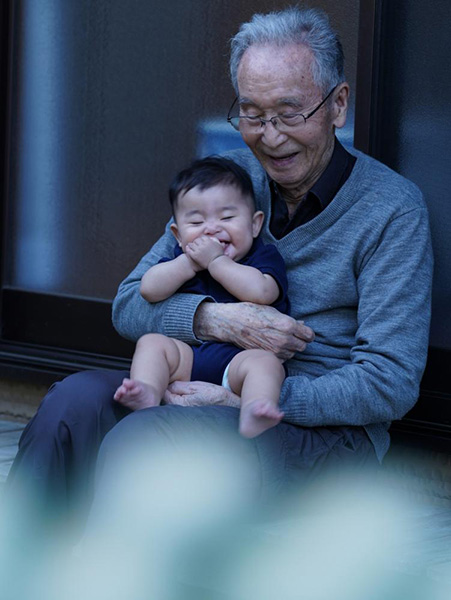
(55, 464)
(53, 471)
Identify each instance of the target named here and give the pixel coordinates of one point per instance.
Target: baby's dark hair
(208, 172)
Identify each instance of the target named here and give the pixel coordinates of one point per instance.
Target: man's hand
(250, 326)
(199, 393)
(204, 249)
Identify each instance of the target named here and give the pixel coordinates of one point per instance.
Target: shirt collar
(328, 184)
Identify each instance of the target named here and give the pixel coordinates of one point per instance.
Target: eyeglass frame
(271, 119)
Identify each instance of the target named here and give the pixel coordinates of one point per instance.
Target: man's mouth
(282, 160)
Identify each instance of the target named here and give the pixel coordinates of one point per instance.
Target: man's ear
(175, 233)
(257, 222)
(340, 105)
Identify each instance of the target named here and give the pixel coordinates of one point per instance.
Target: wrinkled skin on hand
(199, 393)
(249, 325)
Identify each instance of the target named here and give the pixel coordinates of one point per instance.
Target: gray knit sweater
(359, 275)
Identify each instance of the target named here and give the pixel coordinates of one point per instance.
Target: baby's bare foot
(136, 394)
(258, 416)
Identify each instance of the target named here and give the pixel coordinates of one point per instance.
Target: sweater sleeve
(381, 382)
(133, 316)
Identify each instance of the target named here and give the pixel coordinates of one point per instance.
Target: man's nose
(271, 136)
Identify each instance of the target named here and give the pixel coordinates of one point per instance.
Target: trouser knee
(83, 393)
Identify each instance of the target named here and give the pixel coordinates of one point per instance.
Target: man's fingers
(288, 326)
(304, 332)
(179, 387)
(179, 399)
(168, 397)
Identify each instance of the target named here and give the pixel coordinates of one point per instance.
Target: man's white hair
(308, 27)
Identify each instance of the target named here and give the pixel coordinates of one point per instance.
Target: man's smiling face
(273, 80)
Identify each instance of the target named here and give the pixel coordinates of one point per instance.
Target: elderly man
(355, 239)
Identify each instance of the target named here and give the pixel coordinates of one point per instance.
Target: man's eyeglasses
(282, 122)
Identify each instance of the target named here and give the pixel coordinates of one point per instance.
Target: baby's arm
(246, 283)
(163, 279)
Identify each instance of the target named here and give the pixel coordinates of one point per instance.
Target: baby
(217, 254)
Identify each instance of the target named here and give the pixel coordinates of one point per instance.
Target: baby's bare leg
(257, 376)
(157, 362)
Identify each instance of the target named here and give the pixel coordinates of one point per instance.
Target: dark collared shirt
(316, 199)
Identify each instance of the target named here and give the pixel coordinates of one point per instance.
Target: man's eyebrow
(244, 100)
(296, 102)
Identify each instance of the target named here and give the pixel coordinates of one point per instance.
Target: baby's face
(221, 212)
